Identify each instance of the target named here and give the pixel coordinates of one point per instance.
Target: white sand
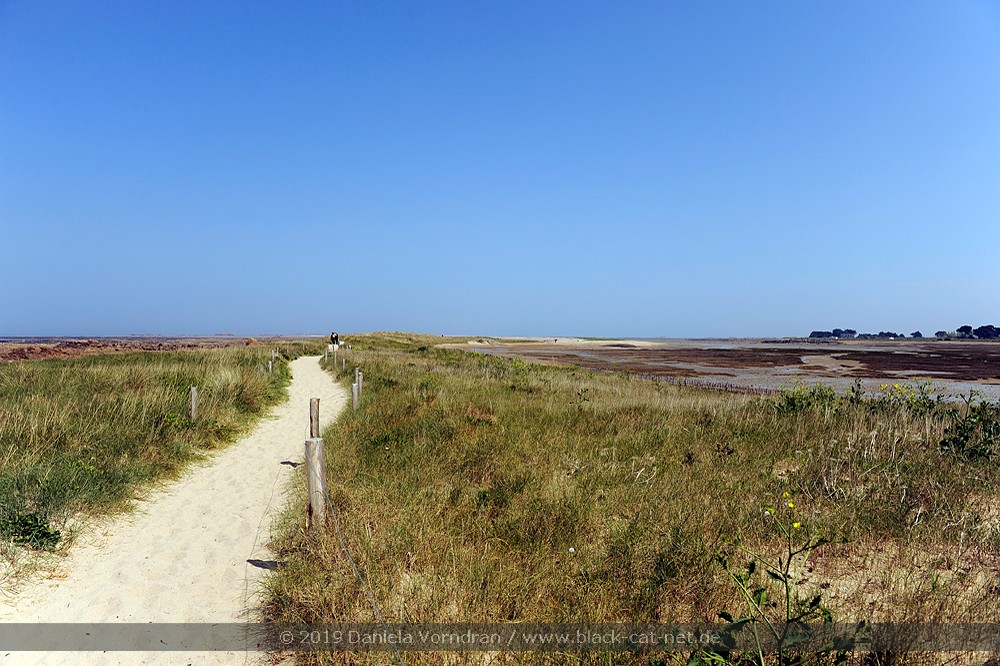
(182, 556)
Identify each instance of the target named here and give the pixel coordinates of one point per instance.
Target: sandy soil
(194, 550)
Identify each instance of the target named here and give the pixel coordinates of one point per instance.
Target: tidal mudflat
(952, 368)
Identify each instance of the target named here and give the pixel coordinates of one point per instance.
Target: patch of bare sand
(194, 551)
(832, 365)
(887, 580)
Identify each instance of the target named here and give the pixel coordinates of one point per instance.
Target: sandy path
(183, 555)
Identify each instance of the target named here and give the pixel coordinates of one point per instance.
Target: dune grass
(473, 488)
(85, 435)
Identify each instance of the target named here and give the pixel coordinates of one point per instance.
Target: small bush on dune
(974, 433)
(29, 529)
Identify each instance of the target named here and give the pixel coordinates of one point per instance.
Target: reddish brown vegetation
(55, 348)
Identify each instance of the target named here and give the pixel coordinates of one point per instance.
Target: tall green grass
(84, 435)
(473, 488)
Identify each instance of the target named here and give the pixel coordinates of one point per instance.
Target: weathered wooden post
(194, 403)
(354, 394)
(361, 383)
(270, 366)
(316, 480)
(343, 364)
(314, 418)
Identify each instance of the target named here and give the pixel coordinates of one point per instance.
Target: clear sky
(683, 169)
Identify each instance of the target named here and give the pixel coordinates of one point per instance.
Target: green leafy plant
(173, 421)
(918, 398)
(779, 618)
(30, 529)
(803, 397)
(857, 393)
(974, 434)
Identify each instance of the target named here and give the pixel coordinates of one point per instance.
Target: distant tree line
(987, 332)
(835, 333)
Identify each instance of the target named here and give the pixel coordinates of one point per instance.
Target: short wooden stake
(343, 364)
(326, 355)
(314, 418)
(316, 479)
(270, 366)
(194, 403)
(354, 394)
(361, 383)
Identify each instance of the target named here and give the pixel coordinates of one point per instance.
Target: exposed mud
(767, 365)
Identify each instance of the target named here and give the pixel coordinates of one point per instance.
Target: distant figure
(334, 339)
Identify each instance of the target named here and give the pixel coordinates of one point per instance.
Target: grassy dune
(478, 489)
(83, 435)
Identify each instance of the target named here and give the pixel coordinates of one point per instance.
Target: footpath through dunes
(194, 551)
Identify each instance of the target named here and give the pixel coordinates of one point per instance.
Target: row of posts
(355, 387)
(359, 377)
(315, 460)
(334, 349)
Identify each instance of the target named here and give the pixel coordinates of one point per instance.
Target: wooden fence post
(270, 366)
(314, 418)
(316, 479)
(194, 403)
(361, 383)
(354, 394)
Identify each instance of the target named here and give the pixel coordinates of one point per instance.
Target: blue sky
(682, 169)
